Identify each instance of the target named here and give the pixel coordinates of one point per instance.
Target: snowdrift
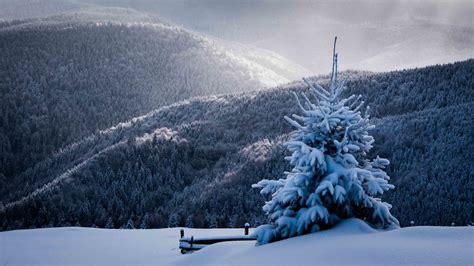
(351, 242)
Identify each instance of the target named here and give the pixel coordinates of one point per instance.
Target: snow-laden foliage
(64, 77)
(331, 178)
(422, 117)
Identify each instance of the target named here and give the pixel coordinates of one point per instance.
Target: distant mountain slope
(66, 76)
(198, 158)
(381, 36)
(375, 35)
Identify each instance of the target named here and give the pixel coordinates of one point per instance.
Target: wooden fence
(187, 244)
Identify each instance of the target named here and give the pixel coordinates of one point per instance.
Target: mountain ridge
(51, 66)
(197, 148)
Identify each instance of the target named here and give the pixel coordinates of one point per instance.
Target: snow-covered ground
(351, 242)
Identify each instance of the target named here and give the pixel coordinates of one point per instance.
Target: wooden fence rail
(187, 244)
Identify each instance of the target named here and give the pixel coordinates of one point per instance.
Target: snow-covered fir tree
(331, 178)
(110, 223)
(189, 221)
(130, 224)
(173, 220)
(145, 221)
(211, 220)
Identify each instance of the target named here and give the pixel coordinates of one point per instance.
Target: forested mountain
(66, 76)
(381, 36)
(192, 163)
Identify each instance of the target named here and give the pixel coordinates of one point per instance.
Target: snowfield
(350, 242)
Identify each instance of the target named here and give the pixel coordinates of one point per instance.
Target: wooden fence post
(181, 232)
(247, 226)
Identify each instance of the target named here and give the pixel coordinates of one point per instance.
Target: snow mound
(351, 242)
(349, 227)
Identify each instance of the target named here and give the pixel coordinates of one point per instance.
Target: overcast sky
(373, 35)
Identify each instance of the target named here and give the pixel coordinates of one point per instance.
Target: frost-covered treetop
(331, 177)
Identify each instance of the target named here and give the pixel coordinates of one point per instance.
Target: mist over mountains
(377, 35)
(192, 163)
(66, 76)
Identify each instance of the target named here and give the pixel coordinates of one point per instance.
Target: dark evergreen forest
(63, 78)
(192, 163)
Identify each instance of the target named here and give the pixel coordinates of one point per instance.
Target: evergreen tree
(189, 221)
(331, 178)
(130, 224)
(211, 220)
(232, 221)
(173, 220)
(145, 221)
(110, 223)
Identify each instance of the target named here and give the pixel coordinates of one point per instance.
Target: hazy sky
(373, 35)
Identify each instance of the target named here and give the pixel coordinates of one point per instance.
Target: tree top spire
(334, 68)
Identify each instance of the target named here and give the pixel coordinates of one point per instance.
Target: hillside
(66, 76)
(381, 36)
(203, 154)
(350, 242)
